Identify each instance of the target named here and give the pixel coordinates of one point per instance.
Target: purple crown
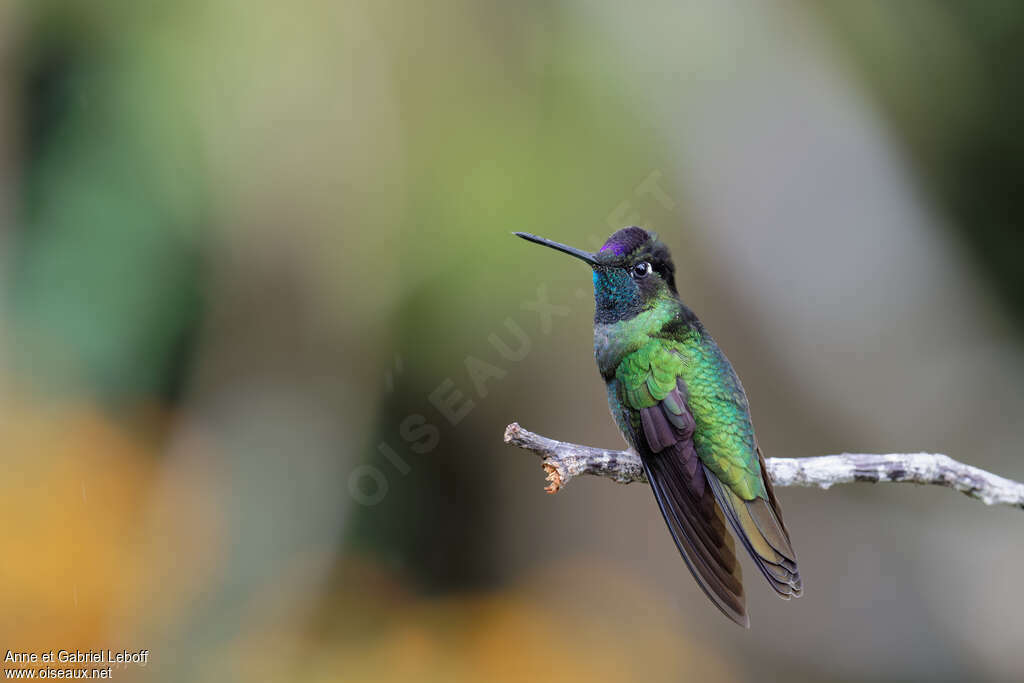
(626, 241)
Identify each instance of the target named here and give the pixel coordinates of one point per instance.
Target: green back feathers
(725, 434)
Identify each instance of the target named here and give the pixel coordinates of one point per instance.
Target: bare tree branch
(563, 461)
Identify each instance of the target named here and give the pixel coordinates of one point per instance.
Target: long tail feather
(759, 526)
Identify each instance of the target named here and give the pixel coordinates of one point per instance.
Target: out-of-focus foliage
(262, 324)
(948, 74)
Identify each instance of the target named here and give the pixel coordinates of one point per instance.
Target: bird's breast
(611, 346)
(614, 341)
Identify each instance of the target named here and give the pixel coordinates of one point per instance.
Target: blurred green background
(262, 324)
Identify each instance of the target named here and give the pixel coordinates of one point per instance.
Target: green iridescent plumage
(724, 435)
(679, 404)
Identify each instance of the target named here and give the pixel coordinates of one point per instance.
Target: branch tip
(553, 477)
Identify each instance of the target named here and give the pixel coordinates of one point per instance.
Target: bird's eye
(641, 269)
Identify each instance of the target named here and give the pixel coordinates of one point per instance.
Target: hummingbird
(681, 407)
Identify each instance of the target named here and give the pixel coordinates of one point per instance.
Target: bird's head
(632, 271)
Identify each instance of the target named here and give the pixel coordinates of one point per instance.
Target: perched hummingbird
(679, 404)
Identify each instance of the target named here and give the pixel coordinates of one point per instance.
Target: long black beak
(572, 251)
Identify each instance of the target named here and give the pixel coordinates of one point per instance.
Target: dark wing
(681, 486)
